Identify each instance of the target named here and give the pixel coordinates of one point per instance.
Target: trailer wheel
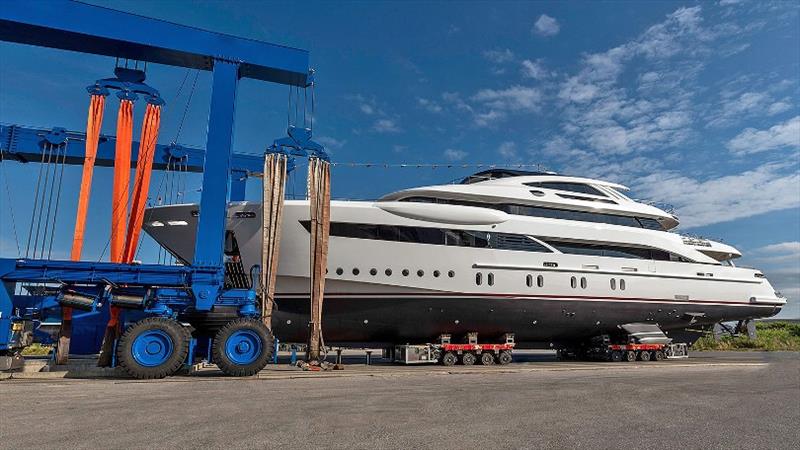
(659, 355)
(504, 357)
(154, 347)
(468, 359)
(630, 356)
(242, 347)
(616, 356)
(449, 359)
(644, 355)
(487, 359)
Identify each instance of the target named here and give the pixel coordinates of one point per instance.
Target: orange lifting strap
(93, 125)
(141, 184)
(122, 174)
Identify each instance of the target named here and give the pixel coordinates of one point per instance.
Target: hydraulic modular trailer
(449, 354)
(156, 343)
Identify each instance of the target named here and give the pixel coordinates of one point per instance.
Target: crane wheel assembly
(154, 347)
(242, 347)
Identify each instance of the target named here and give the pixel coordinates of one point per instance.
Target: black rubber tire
(504, 358)
(230, 367)
(644, 355)
(449, 359)
(659, 355)
(630, 356)
(487, 359)
(616, 356)
(179, 336)
(468, 359)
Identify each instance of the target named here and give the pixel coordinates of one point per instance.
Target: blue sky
(696, 104)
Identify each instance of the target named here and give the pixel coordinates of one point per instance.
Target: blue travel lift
(155, 345)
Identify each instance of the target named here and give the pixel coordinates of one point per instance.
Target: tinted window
(434, 236)
(615, 251)
(572, 187)
(550, 213)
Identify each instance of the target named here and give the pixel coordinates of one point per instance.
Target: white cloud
(386, 126)
(499, 56)
(429, 105)
(778, 107)
(367, 109)
(782, 135)
(331, 143)
(534, 69)
(781, 247)
(546, 26)
(507, 150)
(514, 98)
(488, 118)
(454, 154)
(769, 187)
(734, 108)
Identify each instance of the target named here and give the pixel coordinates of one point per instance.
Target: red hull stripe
(528, 296)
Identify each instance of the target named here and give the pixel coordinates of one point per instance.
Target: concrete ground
(712, 400)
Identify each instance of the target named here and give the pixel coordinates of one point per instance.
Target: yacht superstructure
(550, 258)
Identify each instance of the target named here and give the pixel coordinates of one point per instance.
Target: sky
(694, 104)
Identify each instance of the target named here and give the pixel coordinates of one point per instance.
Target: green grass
(37, 349)
(770, 336)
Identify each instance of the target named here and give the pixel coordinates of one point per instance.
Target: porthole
(339, 271)
(613, 284)
(478, 278)
(436, 273)
(529, 280)
(420, 272)
(583, 282)
(621, 284)
(373, 271)
(405, 272)
(490, 279)
(573, 282)
(356, 271)
(540, 281)
(451, 274)
(388, 272)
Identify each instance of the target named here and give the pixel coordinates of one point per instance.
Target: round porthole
(436, 273)
(339, 271)
(451, 274)
(405, 272)
(420, 272)
(373, 271)
(388, 272)
(356, 271)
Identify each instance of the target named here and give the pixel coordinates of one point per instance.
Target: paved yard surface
(713, 400)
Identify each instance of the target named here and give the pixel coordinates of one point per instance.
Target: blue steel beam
(49, 271)
(70, 25)
(25, 144)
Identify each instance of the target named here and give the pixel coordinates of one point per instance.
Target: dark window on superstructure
(549, 213)
(564, 186)
(586, 199)
(435, 236)
(614, 251)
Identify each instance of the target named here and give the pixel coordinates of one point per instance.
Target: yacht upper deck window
(566, 186)
(550, 213)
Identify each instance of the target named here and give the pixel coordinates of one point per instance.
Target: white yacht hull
(381, 292)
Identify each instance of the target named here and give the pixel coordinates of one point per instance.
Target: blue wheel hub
(243, 347)
(152, 348)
